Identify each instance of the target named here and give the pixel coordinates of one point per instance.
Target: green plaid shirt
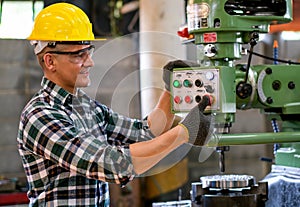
(72, 146)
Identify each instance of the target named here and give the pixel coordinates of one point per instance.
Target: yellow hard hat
(62, 22)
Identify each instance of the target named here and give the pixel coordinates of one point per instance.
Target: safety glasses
(77, 57)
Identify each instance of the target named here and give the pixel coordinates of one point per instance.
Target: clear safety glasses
(77, 57)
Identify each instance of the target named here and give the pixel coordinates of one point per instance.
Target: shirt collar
(56, 91)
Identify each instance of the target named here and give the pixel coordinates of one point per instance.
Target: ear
(50, 62)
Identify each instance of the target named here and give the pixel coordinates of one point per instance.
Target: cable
(252, 44)
(270, 58)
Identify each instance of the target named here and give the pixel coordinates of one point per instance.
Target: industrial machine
(229, 191)
(224, 31)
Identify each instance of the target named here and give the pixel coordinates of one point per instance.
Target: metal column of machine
(220, 29)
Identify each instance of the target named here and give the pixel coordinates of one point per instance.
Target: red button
(188, 99)
(177, 99)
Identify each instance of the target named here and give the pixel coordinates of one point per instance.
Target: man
(70, 144)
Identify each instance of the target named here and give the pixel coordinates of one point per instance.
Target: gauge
(203, 10)
(209, 75)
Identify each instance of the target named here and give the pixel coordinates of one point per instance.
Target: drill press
(219, 29)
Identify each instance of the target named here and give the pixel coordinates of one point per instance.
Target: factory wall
(20, 77)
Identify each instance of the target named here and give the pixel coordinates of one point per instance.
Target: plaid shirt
(71, 146)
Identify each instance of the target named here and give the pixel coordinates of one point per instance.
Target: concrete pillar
(159, 43)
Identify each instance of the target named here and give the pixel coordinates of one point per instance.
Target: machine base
(229, 191)
(284, 186)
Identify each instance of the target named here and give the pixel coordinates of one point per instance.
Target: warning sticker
(210, 37)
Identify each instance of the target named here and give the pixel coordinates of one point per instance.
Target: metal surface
(251, 200)
(221, 150)
(227, 181)
(229, 191)
(254, 138)
(183, 203)
(189, 86)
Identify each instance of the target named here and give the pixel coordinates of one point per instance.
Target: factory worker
(71, 145)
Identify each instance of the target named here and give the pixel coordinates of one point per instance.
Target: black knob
(269, 71)
(276, 85)
(198, 98)
(291, 85)
(269, 100)
(243, 90)
(209, 89)
(198, 83)
(243, 68)
(213, 50)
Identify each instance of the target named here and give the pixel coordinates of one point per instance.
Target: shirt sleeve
(51, 134)
(122, 130)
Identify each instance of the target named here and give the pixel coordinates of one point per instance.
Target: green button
(176, 84)
(187, 83)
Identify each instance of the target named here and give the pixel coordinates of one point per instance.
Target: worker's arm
(146, 154)
(195, 128)
(161, 118)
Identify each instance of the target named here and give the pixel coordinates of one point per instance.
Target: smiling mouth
(84, 72)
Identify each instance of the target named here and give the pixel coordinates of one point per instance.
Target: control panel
(191, 84)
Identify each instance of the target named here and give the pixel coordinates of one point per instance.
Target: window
(17, 18)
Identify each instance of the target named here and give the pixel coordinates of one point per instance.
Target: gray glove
(197, 124)
(168, 69)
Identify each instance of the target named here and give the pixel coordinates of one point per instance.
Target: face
(69, 66)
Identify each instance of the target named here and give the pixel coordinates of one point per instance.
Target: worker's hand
(197, 124)
(168, 69)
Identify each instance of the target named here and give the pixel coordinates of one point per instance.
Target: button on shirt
(71, 146)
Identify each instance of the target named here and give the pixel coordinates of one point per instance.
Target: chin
(83, 83)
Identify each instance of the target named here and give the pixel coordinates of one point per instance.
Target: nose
(89, 62)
